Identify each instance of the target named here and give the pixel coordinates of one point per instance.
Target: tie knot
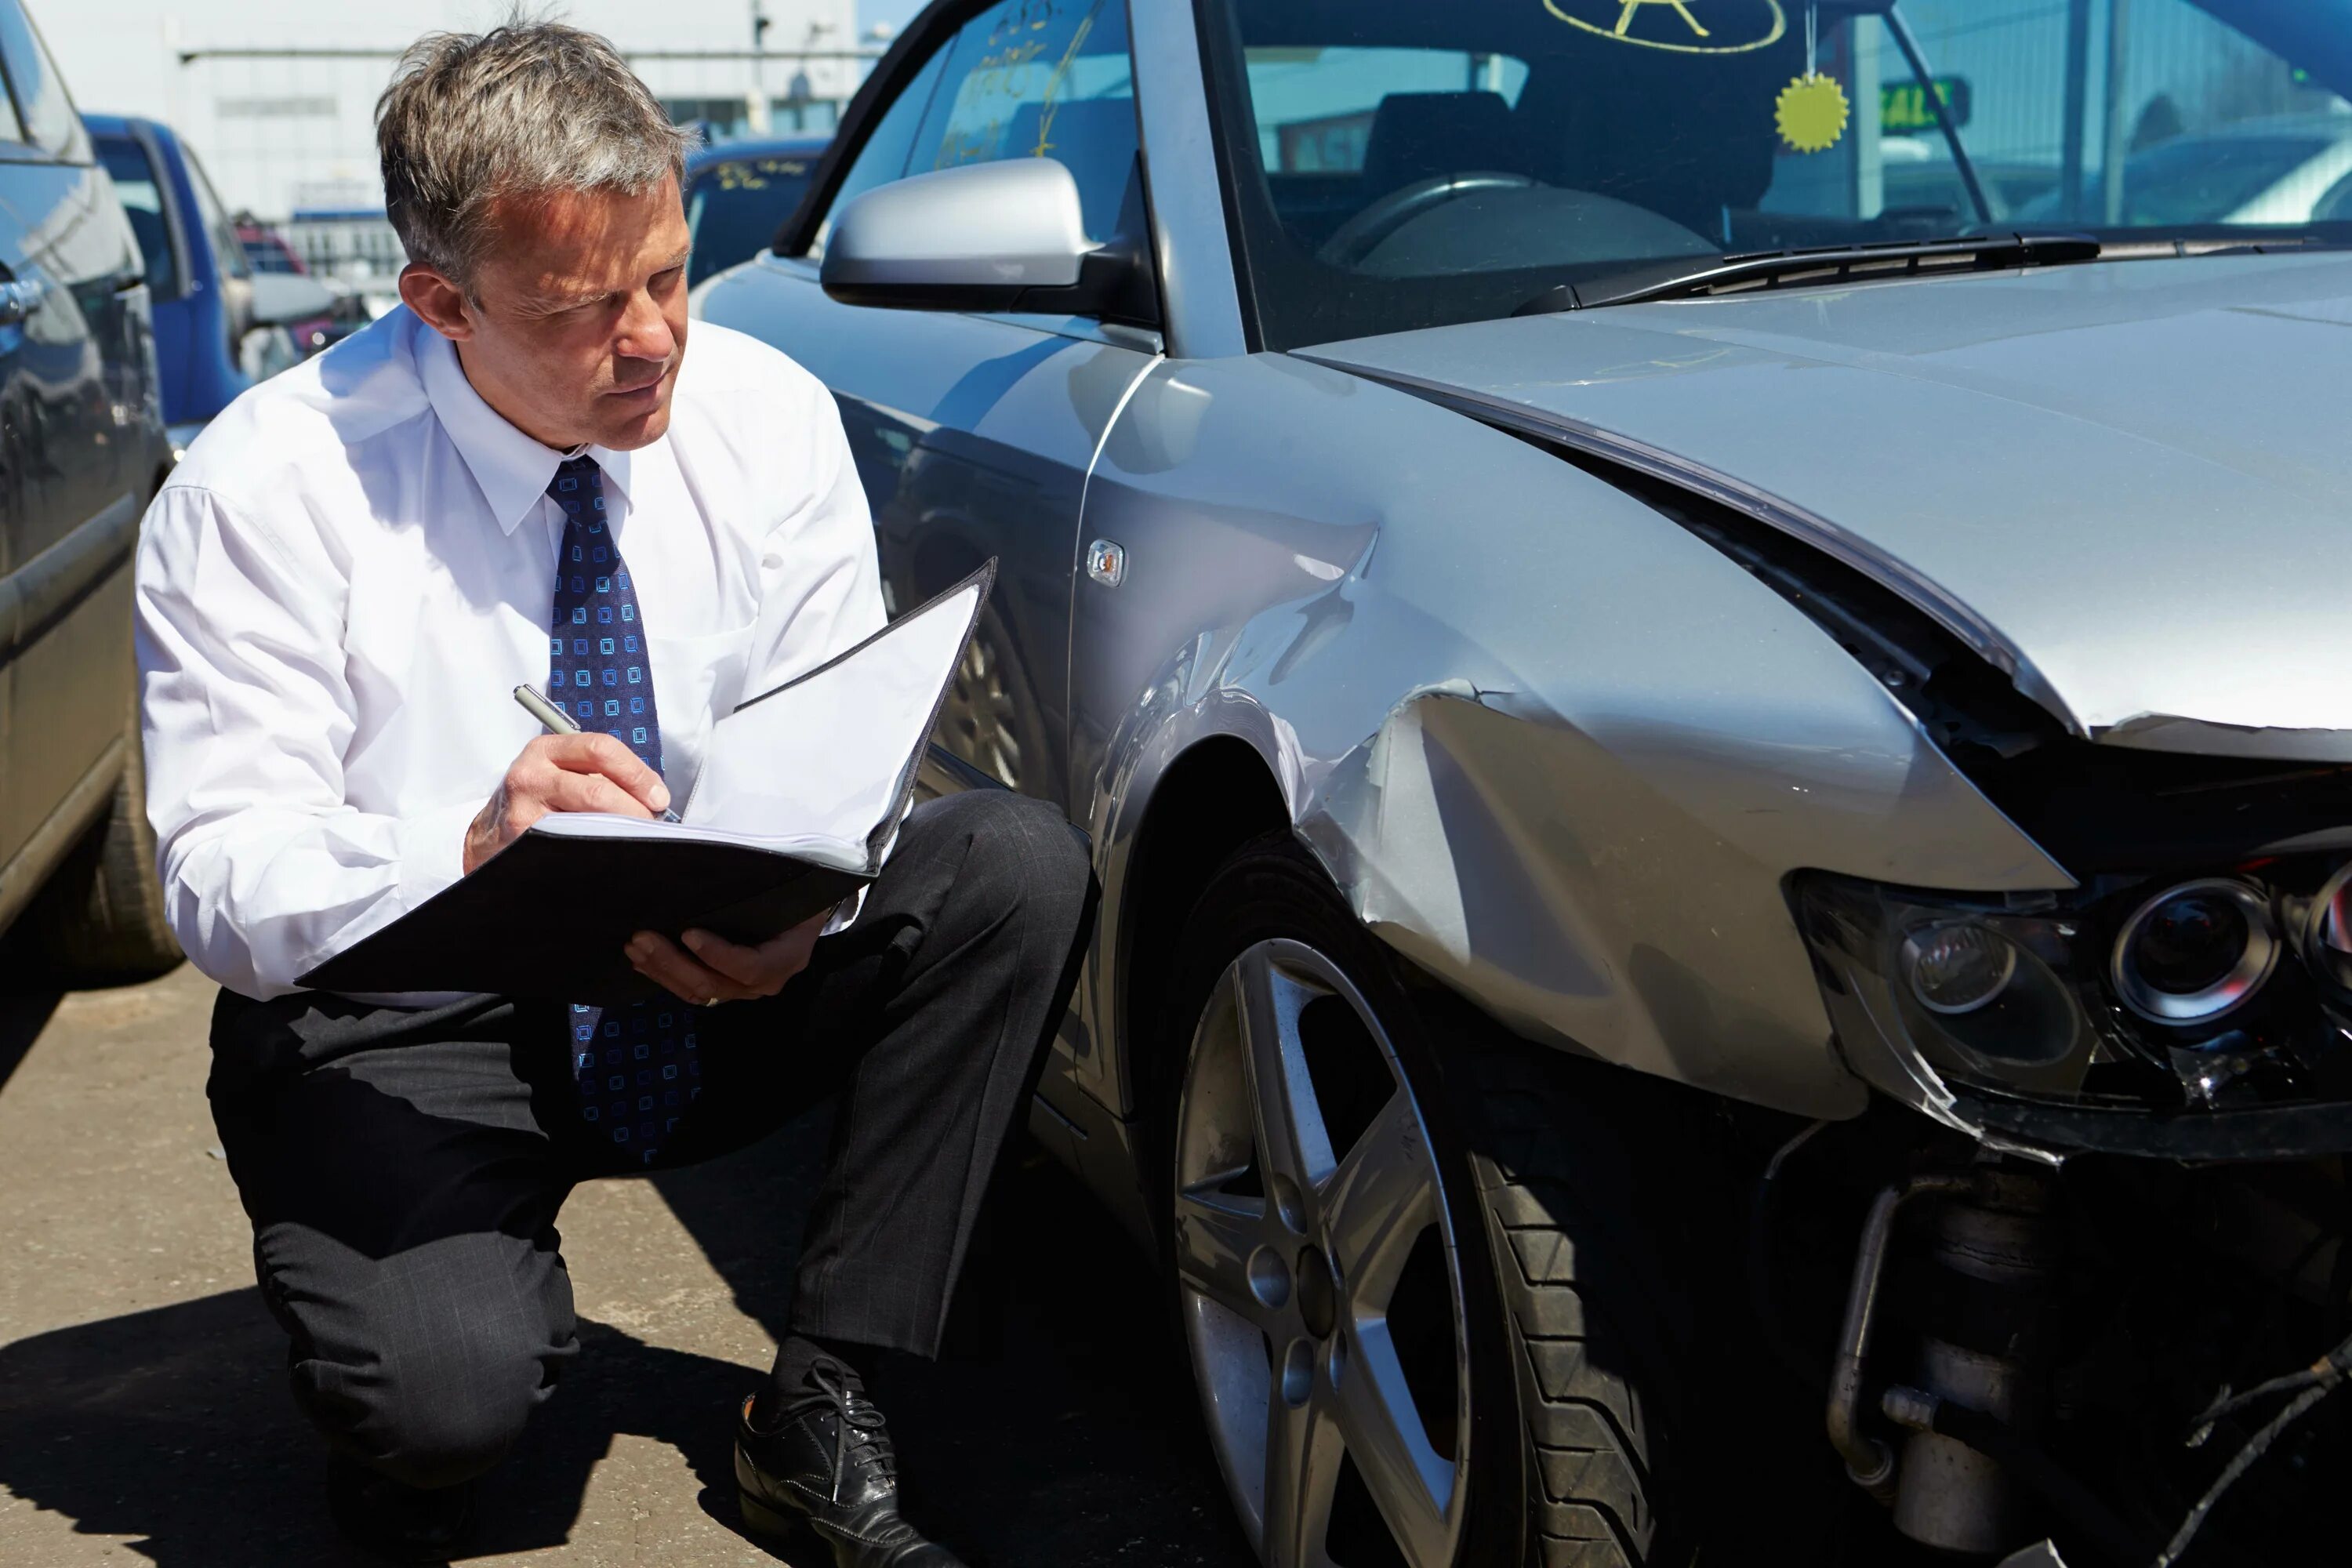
(578, 486)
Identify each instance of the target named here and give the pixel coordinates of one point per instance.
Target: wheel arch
(1213, 797)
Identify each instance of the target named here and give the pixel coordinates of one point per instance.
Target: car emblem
(1682, 27)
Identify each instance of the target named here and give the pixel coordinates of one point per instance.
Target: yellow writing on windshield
(1054, 89)
(1729, 27)
(1633, 7)
(754, 175)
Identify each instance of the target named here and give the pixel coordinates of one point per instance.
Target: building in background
(279, 96)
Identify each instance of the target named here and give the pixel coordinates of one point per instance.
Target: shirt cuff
(431, 846)
(844, 913)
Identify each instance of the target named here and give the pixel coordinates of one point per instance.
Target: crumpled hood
(2130, 483)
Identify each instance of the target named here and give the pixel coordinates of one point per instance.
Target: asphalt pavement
(143, 1411)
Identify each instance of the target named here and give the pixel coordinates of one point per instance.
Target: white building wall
(281, 134)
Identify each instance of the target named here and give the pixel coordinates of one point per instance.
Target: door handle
(19, 298)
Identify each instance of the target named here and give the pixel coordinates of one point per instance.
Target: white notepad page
(826, 755)
(812, 769)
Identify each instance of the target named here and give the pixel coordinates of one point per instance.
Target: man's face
(576, 323)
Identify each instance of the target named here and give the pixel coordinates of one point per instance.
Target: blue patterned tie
(637, 1066)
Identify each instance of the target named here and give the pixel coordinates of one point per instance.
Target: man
(522, 475)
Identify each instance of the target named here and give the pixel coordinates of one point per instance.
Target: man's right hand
(563, 773)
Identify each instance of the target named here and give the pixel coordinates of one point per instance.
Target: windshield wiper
(1808, 267)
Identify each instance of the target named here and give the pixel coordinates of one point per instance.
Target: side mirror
(282, 298)
(1007, 235)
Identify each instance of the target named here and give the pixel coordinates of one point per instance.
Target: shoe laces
(861, 1435)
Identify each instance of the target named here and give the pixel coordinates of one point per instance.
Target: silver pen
(556, 721)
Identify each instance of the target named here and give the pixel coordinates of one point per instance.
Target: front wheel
(1423, 1327)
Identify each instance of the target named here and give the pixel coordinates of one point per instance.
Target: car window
(733, 207)
(12, 128)
(44, 111)
(2189, 180)
(1392, 165)
(229, 251)
(143, 203)
(883, 158)
(1039, 79)
(1315, 109)
(2337, 205)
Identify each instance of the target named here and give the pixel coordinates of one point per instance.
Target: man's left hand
(710, 969)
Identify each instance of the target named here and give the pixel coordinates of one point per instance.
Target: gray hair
(525, 109)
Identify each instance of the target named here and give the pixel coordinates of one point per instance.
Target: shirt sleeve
(820, 583)
(247, 714)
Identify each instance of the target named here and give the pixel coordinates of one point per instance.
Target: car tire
(100, 919)
(1579, 1352)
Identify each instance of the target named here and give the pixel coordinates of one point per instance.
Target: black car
(737, 192)
(82, 448)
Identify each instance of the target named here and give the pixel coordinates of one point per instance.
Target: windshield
(734, 208)
(1396, 164)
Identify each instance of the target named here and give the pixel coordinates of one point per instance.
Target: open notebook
(801, 790)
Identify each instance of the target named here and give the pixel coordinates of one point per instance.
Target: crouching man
(521, 476)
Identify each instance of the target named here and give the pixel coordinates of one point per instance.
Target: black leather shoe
(827, 1467)
(396, 1522)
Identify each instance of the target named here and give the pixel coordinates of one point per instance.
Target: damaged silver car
(1701, 644)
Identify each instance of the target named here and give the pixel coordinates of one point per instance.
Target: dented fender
(1564, 772)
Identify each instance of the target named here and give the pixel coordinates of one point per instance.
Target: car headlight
(1972, 991)
(1958, 967)
(2138, 992)
(2326, 945)
(2195, 952)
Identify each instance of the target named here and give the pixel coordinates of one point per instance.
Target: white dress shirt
(341, 586)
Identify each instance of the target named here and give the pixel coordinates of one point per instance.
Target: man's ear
(439, 302)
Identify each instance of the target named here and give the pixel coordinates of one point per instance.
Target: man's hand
(563, 773)
(719, 971)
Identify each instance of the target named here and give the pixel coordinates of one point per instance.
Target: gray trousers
(404, 1170)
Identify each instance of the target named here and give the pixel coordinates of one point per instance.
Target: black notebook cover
(546, 917)
(541, 919)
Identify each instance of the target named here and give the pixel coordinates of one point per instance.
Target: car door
(72, 421)
(973, 434)
(144, 188)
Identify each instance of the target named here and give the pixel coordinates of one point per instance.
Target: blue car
(218, 324)
(739, 193)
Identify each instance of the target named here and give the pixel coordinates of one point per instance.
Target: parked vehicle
(738, 192)
(1636, 707)
(81, 450)
(220, 325)
(266, 249)
(2289, 170)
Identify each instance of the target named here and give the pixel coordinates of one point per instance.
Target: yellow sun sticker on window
(1679, 26)
(1810, 113)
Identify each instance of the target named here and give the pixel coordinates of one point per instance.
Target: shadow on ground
(24, 1014)
(1060, 1426)
(1059, 1431)
(174, 1426)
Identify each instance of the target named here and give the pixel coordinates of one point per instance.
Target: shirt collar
(511, 469)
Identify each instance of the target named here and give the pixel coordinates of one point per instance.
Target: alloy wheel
(979, 715)
(1317, 1278)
